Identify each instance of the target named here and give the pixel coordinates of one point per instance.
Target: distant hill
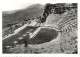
(19, 15)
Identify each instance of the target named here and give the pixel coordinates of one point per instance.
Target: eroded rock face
(53, 20)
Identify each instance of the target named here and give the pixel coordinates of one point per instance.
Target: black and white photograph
(36, 28)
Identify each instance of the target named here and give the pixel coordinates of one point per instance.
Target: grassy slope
(44, 35)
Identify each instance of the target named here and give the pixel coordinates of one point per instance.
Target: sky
(8, 5)
(15, 6)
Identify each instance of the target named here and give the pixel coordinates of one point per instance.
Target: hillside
(24, 14)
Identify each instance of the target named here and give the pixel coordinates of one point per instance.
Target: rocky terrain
(64, 19)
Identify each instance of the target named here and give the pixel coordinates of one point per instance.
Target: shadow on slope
(44, 35)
